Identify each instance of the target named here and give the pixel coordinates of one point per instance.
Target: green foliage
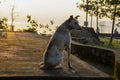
(45, 28)
(96, 7)
(29, 18)
(52, 22)
(105, 7)
(33, 25)
(3, 23)
(110, 7)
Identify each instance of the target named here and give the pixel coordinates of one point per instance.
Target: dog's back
(53, 54)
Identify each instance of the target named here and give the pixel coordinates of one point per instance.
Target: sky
(43, 11)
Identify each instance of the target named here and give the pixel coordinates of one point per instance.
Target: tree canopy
(103, 8)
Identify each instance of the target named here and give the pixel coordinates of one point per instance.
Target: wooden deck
(21, 53)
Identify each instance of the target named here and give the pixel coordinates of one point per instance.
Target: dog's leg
(68, 49)
(69, 53)
(43, 66)
(47, 67)
(69, 60)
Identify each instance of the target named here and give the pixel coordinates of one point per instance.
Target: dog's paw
(47, 68)
(72, 69)
(42, 63)
(43, 67)
(58, 68)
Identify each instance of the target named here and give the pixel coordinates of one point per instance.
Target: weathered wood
(21, 53)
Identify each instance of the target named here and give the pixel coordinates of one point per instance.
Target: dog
(61, 40)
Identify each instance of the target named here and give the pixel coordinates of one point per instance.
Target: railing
(100, 55)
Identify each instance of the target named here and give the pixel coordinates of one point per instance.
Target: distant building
(106, 26)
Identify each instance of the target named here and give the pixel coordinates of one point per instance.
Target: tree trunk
(111, 38)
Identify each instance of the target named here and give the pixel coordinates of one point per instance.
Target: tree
(3, 23)
(32, 27)
(116, 12)
(46, 28)
(104, 8)
(12, 14)
(94, 8)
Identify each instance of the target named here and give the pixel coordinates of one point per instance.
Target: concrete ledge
(117, 64)
(100, 55)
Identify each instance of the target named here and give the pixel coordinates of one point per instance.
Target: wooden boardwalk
(21, 53)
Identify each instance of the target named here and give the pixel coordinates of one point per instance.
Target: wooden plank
(21, 53)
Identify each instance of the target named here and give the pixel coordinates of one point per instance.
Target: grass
(115, 43)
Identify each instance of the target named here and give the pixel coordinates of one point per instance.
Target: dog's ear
(77, 16)
(70, 19)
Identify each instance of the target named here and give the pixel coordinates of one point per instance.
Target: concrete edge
(115, 52)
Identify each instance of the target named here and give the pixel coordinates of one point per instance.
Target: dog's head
(73, 22)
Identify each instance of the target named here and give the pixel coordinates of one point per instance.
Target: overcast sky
(43, 11)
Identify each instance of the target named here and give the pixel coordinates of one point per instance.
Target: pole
(12, 16)
(97, 19)
(87, 13)
(91, 21)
